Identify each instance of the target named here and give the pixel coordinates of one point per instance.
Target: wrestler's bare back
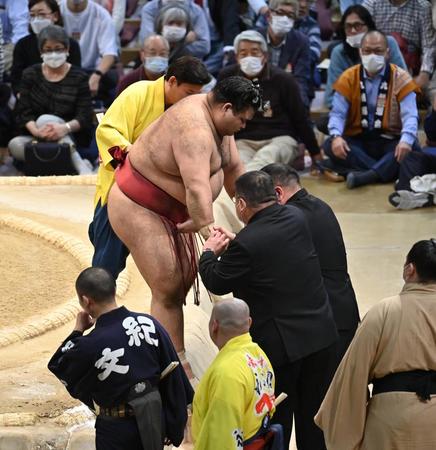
(185, 126)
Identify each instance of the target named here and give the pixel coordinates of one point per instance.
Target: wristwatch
(335, 135)
(98, 72)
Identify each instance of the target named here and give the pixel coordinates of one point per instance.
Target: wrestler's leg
(144, 233)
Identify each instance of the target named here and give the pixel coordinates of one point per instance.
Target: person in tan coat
(395, 350)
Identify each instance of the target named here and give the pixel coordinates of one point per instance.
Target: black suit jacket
(329, 245)
(225, 15)
(272, 265)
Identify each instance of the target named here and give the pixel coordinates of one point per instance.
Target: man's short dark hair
(96, 283)
(238, 91)
(282, 174)
(255, 187)
(188, 69)
(423, 256)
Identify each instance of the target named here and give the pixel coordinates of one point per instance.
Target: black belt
(422, 382)
(120, 411)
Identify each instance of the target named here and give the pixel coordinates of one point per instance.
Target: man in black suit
(329, 245)
(272, 265)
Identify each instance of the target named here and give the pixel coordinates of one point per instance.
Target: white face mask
(355, 41)
(373, 63)
(166, 2)
(251, 65)
(38, 24)
(173, 33)
(156, 64)
(54, 59)
(281, 25)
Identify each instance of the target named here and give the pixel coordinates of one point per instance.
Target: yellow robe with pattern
(398, 334)
(133, 110)
(233, 397)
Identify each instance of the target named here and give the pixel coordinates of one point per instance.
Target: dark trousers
(117, 434)
(374, 153)
(306, 382)
(416, 164)
(109, 252)
(342, 344)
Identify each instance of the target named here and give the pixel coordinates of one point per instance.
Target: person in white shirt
(92, 26)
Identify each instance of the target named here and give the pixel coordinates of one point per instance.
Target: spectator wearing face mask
(195, 40)
(275, 130)
(355, 22)
(55, 104)
(26, 52)
(154, 56)
(173, 23)
(374, 118)
(287, 47)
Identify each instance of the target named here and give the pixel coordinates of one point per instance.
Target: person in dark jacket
(122, 370)
(272, 265)
(26, 51)
(274, 132)
(329, 245)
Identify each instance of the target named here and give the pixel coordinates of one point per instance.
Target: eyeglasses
(40, 15)
(279, 12)
(357, 26)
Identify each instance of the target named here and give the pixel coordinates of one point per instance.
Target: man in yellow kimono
(395, 350)
(133, 111)
(235, 397)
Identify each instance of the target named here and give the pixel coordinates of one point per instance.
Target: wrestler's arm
(234, 169)
(192, 152)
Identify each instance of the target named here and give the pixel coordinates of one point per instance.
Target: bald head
(156, 45)
(375, 39)
(230, 318)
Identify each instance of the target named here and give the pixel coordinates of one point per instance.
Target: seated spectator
(174, 24)
(223, 20)
(273, 134)
(55, 104)
(196, 40)
(289, 48)
(117, 9)
(355, 22)
(416, 185)
(154, 57)
(235, 398)
(410, 22)
(26, 51)
(393, 350)
(310, 27)
(374, 119)
(14, 16)
(91, 25)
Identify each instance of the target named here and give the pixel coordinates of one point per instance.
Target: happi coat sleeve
(73, 365)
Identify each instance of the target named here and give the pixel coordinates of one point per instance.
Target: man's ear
(172, 81)
(279, 193)
(227, 107)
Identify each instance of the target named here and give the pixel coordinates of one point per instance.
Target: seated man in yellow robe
(235, 398)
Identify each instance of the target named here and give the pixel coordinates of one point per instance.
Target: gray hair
(53, 33)
(156, 36)
(251, 36)
(275, 4)
(175, 13)
(232, 314)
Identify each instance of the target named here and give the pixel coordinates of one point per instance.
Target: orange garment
(400, 85)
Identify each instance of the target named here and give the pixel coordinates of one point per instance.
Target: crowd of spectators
(278, 44)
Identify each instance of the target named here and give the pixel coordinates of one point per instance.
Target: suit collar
(297, 196)
(264, 212)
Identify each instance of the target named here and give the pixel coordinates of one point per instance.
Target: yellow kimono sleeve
(117, 127)
(222, 425)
